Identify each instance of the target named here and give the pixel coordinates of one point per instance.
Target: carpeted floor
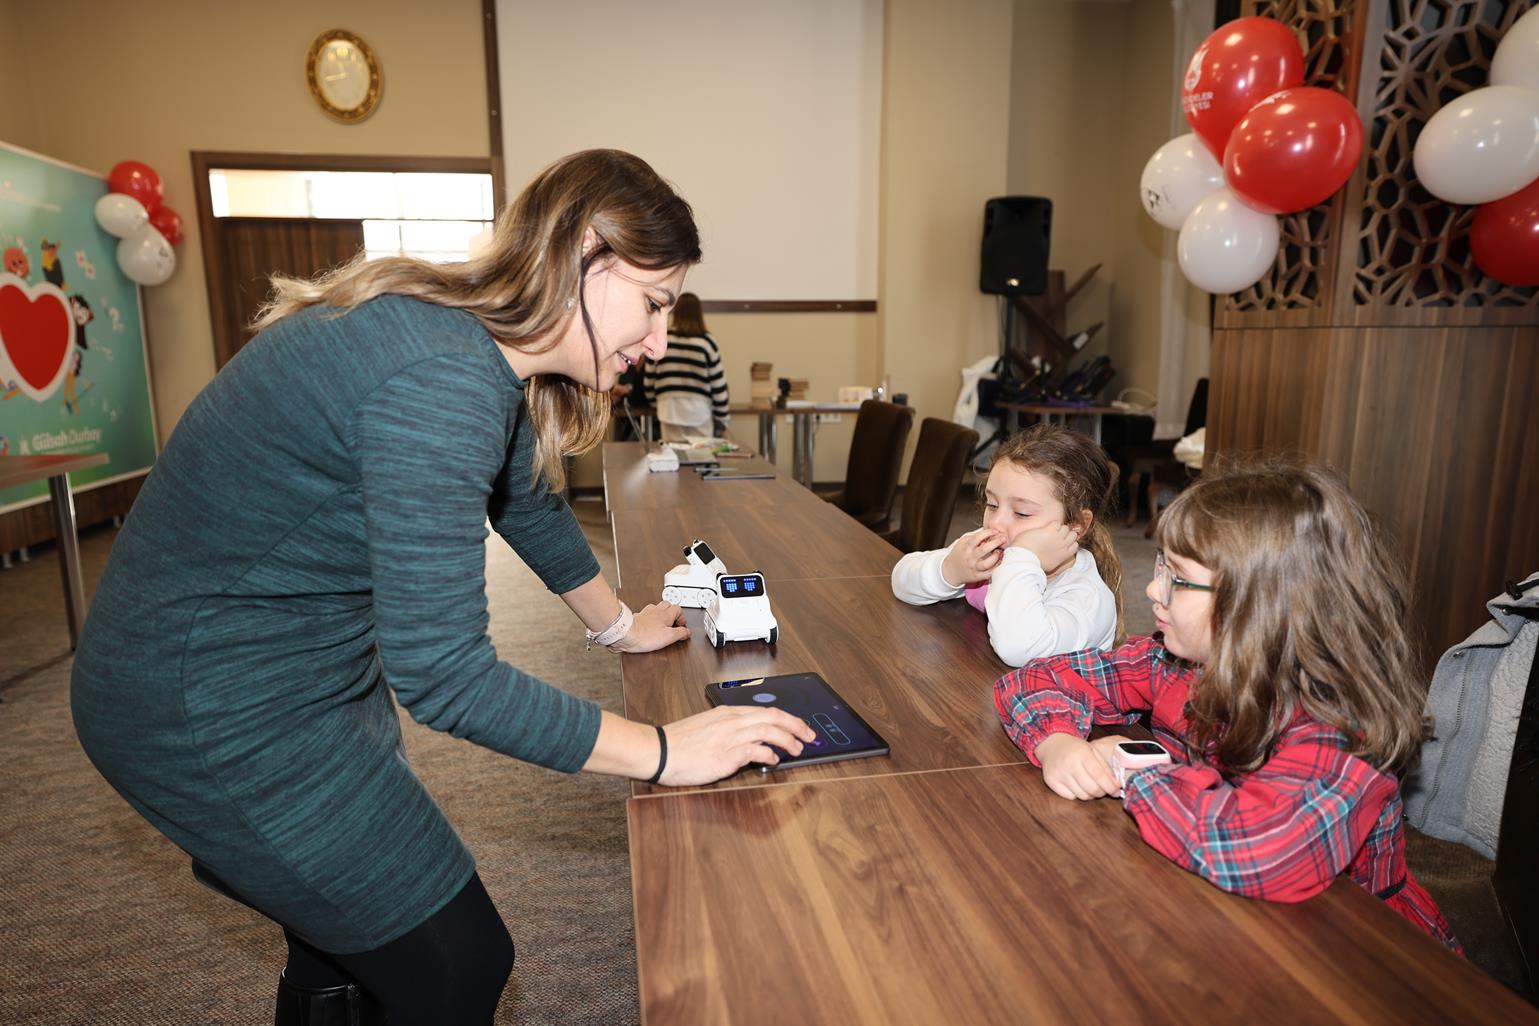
(104, 925)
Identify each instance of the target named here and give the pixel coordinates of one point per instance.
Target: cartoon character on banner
(1482, 149)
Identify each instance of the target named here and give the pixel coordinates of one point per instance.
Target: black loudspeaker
(1015, 237)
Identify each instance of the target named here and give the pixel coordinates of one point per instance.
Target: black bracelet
(662, 756)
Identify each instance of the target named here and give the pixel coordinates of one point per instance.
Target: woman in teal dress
(310, 544)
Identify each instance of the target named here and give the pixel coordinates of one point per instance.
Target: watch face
(1141, 747)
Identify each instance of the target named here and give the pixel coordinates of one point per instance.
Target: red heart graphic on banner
(35, 333)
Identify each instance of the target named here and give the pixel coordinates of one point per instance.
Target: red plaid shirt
(1282, 832)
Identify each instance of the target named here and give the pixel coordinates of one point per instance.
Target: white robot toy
(740, 611)
(693, 582)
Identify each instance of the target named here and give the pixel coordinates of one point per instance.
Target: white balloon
(1179, 176)
(1226, 246)
(146, 257)
(1517, 56)
(120, 215)
(1481, 147)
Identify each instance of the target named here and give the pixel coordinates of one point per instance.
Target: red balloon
(1293, 150)
(168, 223)
(137, 180)
(1504, 239)
(1238, 66)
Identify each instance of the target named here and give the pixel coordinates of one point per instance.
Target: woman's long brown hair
(1083, 481)
(520, 287)
(1309, 612)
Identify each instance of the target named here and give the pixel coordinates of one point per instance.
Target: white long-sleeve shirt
(1029, 615)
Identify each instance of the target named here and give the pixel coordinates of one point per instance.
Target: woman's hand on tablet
(711, 745)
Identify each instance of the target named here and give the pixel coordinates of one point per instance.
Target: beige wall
(111, 81)
(980, 98)
(1089, 102)
(945, 111)
(1065, 122)
(18, 110)
(1146, 96)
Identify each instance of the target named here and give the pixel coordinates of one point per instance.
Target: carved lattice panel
(1297, 281)
(1413, 248)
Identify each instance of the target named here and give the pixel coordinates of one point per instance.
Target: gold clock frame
(376, 77)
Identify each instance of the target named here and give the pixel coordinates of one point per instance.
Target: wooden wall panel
(1433, 427)
(34, 524)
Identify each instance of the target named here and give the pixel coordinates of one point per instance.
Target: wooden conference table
(802, 414)
(943, 884)
(20, 470)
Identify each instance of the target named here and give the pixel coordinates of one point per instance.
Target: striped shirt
(691, 367)
(1282, 832)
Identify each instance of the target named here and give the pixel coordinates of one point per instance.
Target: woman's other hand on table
(657, 626)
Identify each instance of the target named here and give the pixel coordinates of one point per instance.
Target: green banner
(74, 375)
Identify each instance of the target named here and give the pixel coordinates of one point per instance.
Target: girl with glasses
(1042, 566)
(1280, 679)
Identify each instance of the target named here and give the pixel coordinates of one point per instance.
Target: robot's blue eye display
(729, 585)
(750, 585)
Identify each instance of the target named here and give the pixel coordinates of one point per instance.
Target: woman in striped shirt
(688, 385)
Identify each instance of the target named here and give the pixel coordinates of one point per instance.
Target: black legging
(450, 969)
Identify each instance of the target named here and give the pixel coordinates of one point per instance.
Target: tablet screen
(841, 733)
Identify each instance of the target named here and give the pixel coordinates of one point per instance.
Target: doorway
(300, 215)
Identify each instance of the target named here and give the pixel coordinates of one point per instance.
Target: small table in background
(20, 470)
(1048, 411)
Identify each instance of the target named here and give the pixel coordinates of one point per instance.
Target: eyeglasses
(1166, 581)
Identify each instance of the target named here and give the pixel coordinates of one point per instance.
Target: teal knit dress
(309, 543)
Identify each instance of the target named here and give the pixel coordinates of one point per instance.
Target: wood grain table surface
(18, 470)
(943, 884)
(977, 897)
(921, 676)
(784, 541)
(628, 484)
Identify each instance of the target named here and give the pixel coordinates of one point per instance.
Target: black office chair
(876, 458)
(940, 460)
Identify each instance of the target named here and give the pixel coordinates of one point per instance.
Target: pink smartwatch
(1133, 755)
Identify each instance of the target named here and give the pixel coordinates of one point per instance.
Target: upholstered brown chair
(940, 460)
(876, 458)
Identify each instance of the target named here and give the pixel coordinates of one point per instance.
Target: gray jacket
(1456, 792)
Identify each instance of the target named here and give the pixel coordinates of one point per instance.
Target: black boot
(345, 1005)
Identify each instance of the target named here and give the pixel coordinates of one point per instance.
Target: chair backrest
(876, 457)
(940, 458)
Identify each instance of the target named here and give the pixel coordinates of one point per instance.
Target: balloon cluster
(134, 212)
(1262, 144)
(1483, 149)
